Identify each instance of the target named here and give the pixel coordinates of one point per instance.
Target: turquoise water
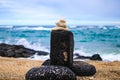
(89, 40)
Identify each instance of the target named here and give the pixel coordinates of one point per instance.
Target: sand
(15, 69)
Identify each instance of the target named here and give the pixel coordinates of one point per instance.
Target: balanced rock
(62, 44)
(50, 73)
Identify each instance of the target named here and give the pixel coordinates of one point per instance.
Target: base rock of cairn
(50, 73)
(80, 68)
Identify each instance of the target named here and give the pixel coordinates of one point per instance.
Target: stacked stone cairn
(61, 65)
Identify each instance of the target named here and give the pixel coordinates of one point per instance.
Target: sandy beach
(15, 69)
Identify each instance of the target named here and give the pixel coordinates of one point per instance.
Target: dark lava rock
(7, 50)
(96, 57)
(62, 44)
(93, 57)
(50, 73)
(80, 68)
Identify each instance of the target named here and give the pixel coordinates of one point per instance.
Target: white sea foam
(6, 26)
(72, 26)
(22, 28)
(102, 27)
(80, 52)
(35, 46)
(32, 28)
(118, 26)
(41, 28)
(38, 57)
(110, 57)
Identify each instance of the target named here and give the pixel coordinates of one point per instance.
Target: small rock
(93, 57)
(96, 57)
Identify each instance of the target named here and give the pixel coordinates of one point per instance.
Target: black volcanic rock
(80, 68)
(96, 57)
(50, 73)
(61, 48)
(7, 50)
(93, 57)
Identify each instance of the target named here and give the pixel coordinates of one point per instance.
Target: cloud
(25, 9)
(97, 9)
(42, 10)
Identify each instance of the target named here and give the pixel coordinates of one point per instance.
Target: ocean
(88, 39)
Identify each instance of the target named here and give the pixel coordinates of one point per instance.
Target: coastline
(15, 69)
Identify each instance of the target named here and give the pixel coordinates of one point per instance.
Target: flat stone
(50, 73)
(81, 68)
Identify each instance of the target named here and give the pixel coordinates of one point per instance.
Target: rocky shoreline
(15, 69)
(16, 51)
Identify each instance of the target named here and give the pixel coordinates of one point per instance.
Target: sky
(47, 12)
